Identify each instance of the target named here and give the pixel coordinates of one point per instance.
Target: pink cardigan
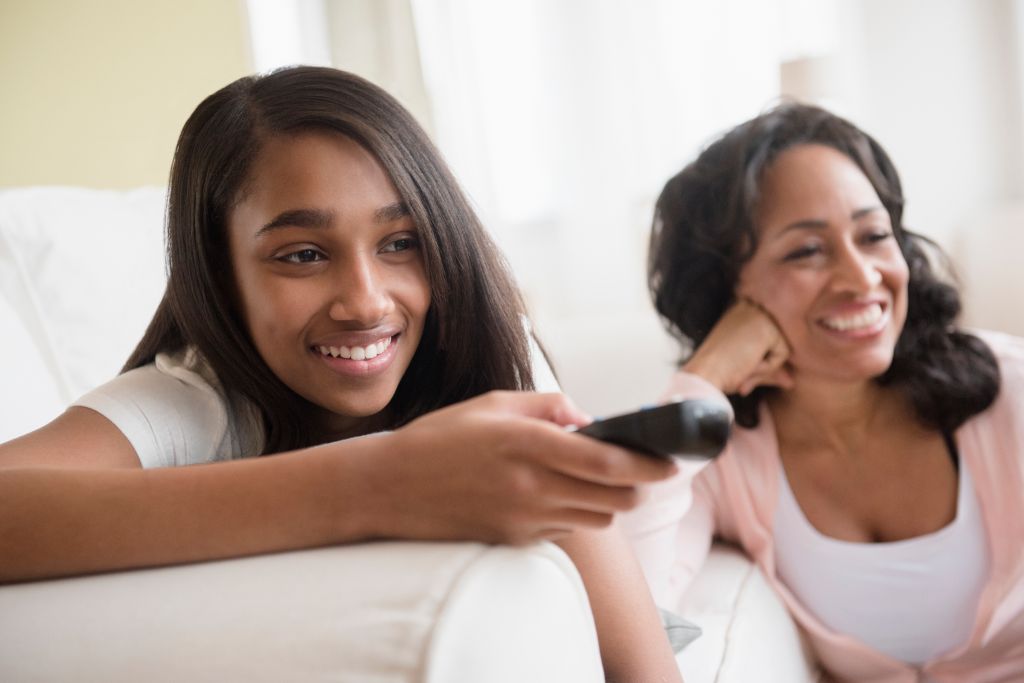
(735, 496)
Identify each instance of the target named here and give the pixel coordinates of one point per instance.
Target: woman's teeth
(356, 352)
(867, 318)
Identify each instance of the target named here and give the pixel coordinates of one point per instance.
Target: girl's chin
(351, 412)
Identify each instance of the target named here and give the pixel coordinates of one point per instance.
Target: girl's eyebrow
(298, 218)
(391, 212)
(320, 219)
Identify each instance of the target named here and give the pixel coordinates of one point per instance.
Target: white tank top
(912, 599)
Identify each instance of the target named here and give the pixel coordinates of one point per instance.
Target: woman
(876, 473)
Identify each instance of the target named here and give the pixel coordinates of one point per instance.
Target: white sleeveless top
(912, 599)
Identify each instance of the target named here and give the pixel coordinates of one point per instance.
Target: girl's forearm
(58, 522)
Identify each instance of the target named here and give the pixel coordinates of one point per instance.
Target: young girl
(327, 280)
(877, 477)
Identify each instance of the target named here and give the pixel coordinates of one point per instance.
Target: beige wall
(96, 91)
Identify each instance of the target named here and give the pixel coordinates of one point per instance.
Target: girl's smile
(329, 272)
(358, 358)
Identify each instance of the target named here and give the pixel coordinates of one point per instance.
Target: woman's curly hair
(704, 233)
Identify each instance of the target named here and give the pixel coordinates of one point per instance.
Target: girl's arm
(73, 499)
(634, 645)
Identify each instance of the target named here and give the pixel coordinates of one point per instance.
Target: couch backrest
(81, 272)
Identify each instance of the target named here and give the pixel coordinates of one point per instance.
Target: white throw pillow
(30, 397)
(83, 270)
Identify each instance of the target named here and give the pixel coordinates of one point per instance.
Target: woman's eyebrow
(819, 224)
(808, 224)
(298, 218)
(860, 213)
(391, 212)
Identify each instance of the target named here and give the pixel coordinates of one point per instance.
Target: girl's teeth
(356, 352)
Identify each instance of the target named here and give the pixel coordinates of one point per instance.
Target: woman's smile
(827, 266)
(862, 321)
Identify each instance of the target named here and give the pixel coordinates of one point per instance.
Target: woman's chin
(863, 369)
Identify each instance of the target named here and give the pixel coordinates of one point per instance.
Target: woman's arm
(73, 502)
(634, 646)
(745, 349)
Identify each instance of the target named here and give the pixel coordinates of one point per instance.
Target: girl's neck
(333, 427)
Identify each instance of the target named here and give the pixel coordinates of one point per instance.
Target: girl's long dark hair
(704, 232)
(474, 338)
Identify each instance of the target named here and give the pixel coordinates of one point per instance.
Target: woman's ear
(742, 291)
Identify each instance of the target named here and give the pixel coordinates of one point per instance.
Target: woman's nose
(854, 271)
(361, 294)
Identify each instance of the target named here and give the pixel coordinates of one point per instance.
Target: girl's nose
(361, 296)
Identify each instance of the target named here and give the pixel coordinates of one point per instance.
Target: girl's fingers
(588, 460)
(564, 490)
(570, 518)
(550, 407)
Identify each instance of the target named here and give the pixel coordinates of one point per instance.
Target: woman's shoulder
(174, 411)
(1003, 421)
(1008, 348)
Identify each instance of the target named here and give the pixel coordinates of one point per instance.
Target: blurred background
(562, 119)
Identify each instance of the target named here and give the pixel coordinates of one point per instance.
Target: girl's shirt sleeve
(174, 412)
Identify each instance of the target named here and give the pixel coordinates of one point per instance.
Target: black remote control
(694, 428)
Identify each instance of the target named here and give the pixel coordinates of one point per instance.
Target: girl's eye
(303, 256)
(879, 236)
(401, 244)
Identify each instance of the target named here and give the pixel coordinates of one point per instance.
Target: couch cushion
(395, 612)
(747, 633)
(515, 615)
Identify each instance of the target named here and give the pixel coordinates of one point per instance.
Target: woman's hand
(744, 350)
(502, 468)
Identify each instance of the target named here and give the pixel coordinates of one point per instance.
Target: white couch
(80, 273)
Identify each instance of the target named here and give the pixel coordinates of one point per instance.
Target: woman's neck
(838, 416)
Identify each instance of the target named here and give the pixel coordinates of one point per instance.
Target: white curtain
(563, 119)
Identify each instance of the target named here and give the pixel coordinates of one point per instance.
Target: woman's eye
(879, 236)
(802, 253)
(401, 244)
(303, 256)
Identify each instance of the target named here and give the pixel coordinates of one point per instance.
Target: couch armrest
(382, 612)
(748, 634)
